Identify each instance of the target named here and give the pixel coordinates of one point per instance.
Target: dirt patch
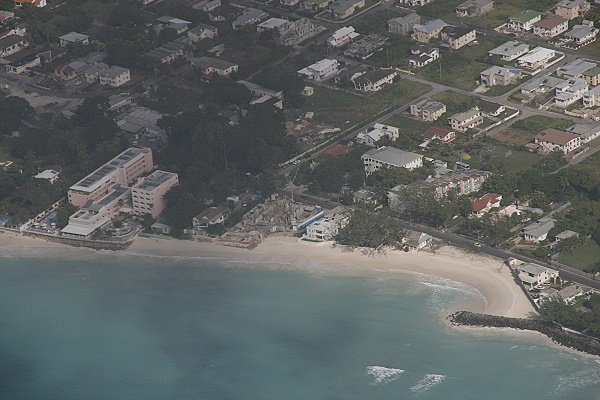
(515, 137)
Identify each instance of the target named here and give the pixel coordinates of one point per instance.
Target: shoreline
(501, 295)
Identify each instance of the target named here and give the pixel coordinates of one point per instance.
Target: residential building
(575, 68)
(440, 133)
(414, 3)
(364, 47)
(459, 182)
(540, 85)
(123, 170)
(502, 76)
(509, 50)
(489, 109)
(249, 16)
(423, 54)
(571, 293)
(167, 53)
(321, 231)
(551, 27)
(224, 12)
(581, 34)
(551, 140)
(374, 81)
(320, 70)
(592, 76)
(524, 20)
(289, 3)
(384, 157)
(427, 110)
(340, 215)
(572, 9)
(92, 73)
(115, 76)
(315, 5)
(210, 216)
(586, 132)
(485, 203)
(569, 91)
(403, 25)
(371, 136)
(48, 174)
(457, 36)
(349, 73)
(11, 44)
(342, 37)
(536, 58)
(178, 25)
(567, 234)
(342, 9)
(210, 66)
(591, 98)
(202, 31)
(6, 16)
(535, 275)
(37, 3)
(474, 8)
(416, 241)
(118, 101)
(430, 30)
(148, 193)
(364, 196)
(466, 120)
(141, 123)
(74, 37)
(295, 32)
(270, 25)
(71, 70)
(23, 64)
(259, 91)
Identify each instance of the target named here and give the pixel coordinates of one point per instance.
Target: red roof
(482, 203)
(439, 132)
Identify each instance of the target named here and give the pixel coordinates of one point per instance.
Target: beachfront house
(320, 231)
(538, 231)
(416, 241)
(534, 275)
(210, 216)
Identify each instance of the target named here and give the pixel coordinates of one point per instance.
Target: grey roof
(202, 27)
(488, 106)
(463, 116)
(11, 40)
(96, 68)
(473, 3)
(430, 26)
(374, 76)
(456, 31)
(580, 31)
(501, 71)
(535, 269)
(576, 67)
(407, 19)
(206, 62)
(248, 15)
(510, 48)
(74, 37)
(546, 81)
(583, 130)
(540, 227)
(154, 180)
(114, 71)
(429, 105)
(392, 156)
(566, 234)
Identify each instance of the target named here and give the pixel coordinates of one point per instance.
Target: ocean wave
(383, 374)
(580, 379)
(428, 381)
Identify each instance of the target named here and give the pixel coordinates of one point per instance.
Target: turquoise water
(83, 325)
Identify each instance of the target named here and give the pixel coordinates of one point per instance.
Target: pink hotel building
(124, 169)
(147, 194)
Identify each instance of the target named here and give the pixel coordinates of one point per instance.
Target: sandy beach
(488, 275)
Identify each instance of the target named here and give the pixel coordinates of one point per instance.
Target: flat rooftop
(154, 180)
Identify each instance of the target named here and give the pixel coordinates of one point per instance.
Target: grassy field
(462, 68)
(518, 161)
(336, 107)
(408, 124)
(455, 102)
(584, 256)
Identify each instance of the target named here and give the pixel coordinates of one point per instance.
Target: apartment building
(148, 193)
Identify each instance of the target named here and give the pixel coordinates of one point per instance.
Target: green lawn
(455, 102)
(408, 124)
(376, 22)
(538, 123)
(584, 256)
(500, 90)
(462, 68)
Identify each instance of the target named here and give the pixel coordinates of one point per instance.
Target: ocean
(77, 324)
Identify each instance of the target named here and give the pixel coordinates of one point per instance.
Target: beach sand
(487, 274)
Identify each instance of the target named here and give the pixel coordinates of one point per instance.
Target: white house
(403, 25)
(534, 274)
(74, 37)
(210, 216)
(536, 58)
(415, 241)
(502, 76)
(575, 68)
(586, 132)
(427, 110)
(509, 50)
(591, 98)
(551, 140)
(374, 81)
(115, 76)
(342, 36)
(569, 91)
(466, 120)
(383, 157)
(538, 231)
(524, 20)
(484, 204)
(422, 55)
(321, 231)
(320, 70)
(48, 174)
(202, 31)
(457, 36)
(370, 137)
(551, 27)
(210, 65)
(581, 34)
(440, 133)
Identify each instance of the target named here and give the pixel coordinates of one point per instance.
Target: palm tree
(563, 181)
